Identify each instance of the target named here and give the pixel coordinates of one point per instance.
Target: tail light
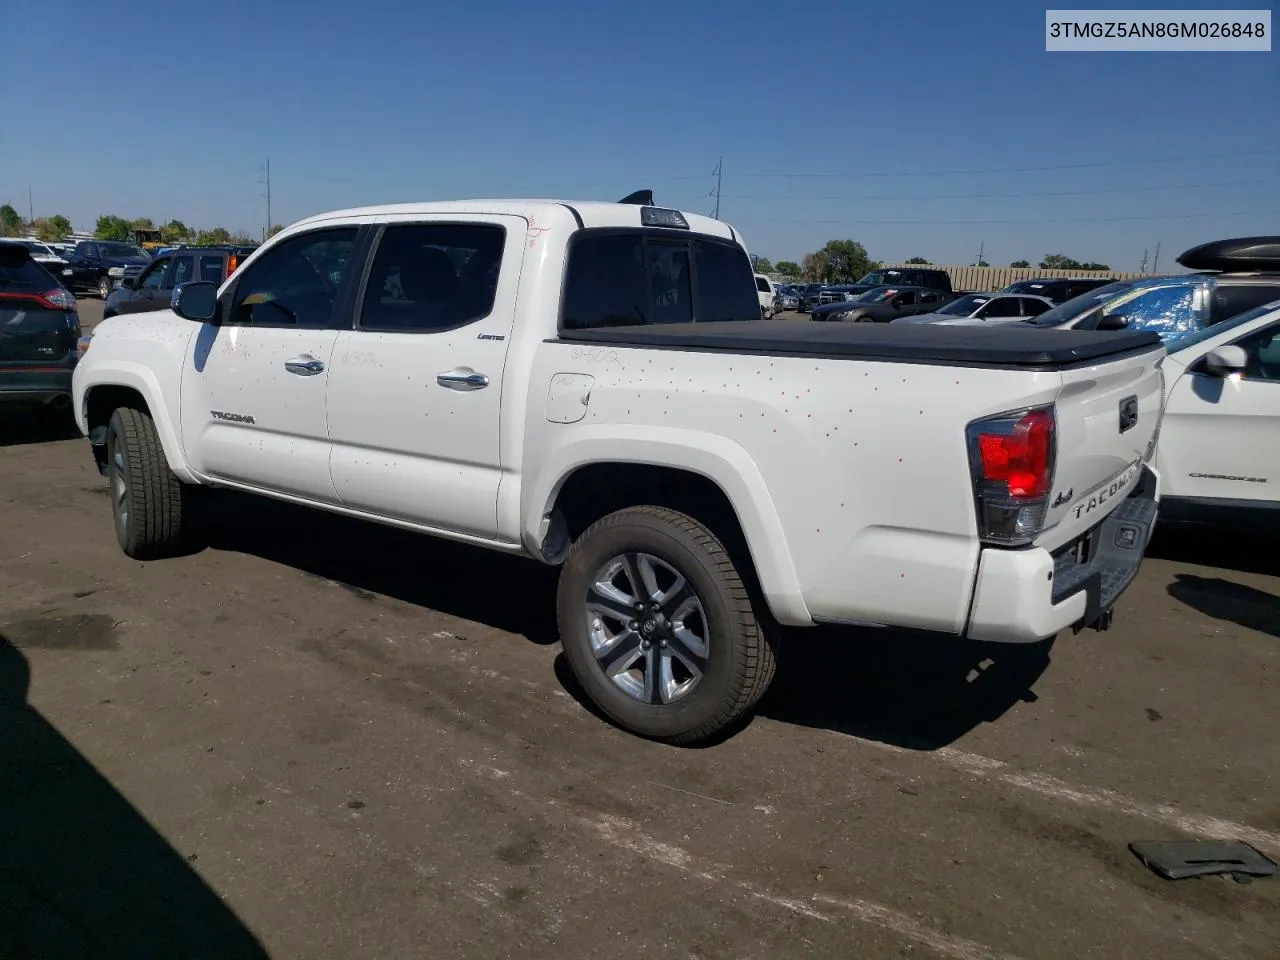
(1011, 458)
(233, 261)
(57, 299)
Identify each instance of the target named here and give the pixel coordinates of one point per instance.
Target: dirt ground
(322, 739)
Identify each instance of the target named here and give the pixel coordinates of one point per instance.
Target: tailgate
(31, 333)
(1107, 418)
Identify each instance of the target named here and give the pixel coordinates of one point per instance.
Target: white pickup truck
(590, 385)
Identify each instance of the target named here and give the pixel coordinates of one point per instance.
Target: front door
(415, 394)
(1219, 436)
(253, 409)
(147, 288)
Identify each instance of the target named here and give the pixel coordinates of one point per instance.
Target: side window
(434, 276)
(906, 299)
(1032, 307)
(211, 269)
(723, 282)
(153, 277)
(762, 284)
(88, 250)
(1001, 307)
(606, 284)
(928, 298)
(1230, 300)
(1263, 350)
(1163, 310)
(183, 268)
(296, 283)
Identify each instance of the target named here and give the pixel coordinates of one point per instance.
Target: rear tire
(147, 499)
(659, 628)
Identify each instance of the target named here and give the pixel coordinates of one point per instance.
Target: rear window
(632, 278)
(24, 275)
(212, 269)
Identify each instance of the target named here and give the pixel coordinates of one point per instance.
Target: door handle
(462, 378)
(304, 366)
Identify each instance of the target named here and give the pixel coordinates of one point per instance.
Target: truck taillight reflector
(1011, 458)
(233, 261)
(1020, 458)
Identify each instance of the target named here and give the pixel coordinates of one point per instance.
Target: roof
(589, 213)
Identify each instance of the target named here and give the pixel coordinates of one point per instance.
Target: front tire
(146, 498)
(659, 628)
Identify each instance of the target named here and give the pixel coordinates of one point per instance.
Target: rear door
(415, 388)
(1107, 414)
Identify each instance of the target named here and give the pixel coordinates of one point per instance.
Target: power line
(1005, 196)
(1056, 166)
(1032, 222)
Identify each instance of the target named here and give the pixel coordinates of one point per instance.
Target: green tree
(1058, 261)
(50, 229)
(216, 235)
(275, 229)
(10, 221)
(761, 264)
(240, 238)
(982, 263)
(112, 227)
(788, 268)
(143, 223)
(918, 260)
(1094, 266)
(61, 226)
(174, 231)
(1020, 263)
(839, 260)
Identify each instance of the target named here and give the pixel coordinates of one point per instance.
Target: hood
(126, 261)
(840, 306)
(927, 318)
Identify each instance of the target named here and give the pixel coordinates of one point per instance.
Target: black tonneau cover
(999, 345)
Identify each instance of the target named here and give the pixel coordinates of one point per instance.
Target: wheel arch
(721, 488)
(131, 385)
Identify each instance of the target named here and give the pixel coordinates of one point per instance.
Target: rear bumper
(35, 384)
(1025, 596)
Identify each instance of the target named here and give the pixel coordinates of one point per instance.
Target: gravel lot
(322, 739)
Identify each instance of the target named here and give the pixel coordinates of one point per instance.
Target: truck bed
(1002, 345)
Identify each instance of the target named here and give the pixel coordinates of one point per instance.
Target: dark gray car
(884, 304)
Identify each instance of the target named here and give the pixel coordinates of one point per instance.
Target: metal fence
(997, 278)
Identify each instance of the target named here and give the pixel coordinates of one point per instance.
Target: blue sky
(835, 120)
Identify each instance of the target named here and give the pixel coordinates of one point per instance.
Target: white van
(768, 296)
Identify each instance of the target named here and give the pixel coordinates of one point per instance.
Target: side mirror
(1226, 360)
(1113, 321)
(196, 301)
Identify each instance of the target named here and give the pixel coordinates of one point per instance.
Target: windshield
(878, 295)
(1191, 339)
(122, 250)
(964, 306)
(881, 277)
(36, 247)
(1078, 305)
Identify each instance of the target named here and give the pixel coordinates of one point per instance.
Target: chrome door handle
(463, 378)
(304, 366)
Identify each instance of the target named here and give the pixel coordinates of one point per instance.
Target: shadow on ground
(1214, 597)
(22, 425)
(1228, 548)
(915, 690)
(82, 873)
(509, 593)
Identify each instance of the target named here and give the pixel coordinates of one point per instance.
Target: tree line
(844, 261)
(112, 227)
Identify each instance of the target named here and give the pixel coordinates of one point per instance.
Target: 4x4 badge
(1063, 497)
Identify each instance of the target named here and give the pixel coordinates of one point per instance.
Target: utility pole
(1143, 268)
(31, 207)
(982, 245)
(1155, 266)
(719, 173)
(268, 195)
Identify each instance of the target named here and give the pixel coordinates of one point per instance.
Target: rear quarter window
(26, 275)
